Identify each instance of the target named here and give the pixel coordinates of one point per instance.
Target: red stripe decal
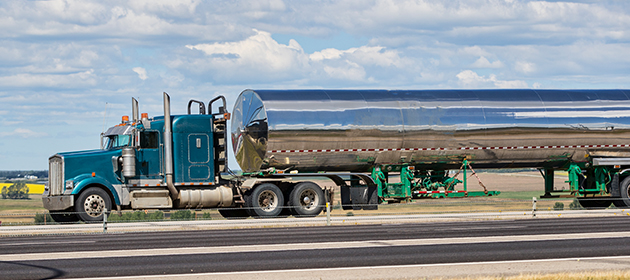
(449, 149)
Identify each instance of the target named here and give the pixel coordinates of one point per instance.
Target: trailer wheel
(238, 213)
(266, 200)
(624, 189)
(64, 216)
(91, 203)
(307, 200)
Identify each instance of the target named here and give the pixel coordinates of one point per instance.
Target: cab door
(199, 157)
(148, 156)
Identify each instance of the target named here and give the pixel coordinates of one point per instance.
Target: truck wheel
(624, 189)
(306, 200)
(91, 203)
(238, 213)
(266, 200)
(594, 202)
(64, 216)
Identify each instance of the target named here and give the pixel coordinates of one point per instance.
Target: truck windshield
(116, 141)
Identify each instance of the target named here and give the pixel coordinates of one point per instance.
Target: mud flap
(358, 198)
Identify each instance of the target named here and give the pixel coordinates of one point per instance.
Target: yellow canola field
(32, 188)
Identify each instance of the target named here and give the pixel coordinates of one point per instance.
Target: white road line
(360, 268)
(306, 246)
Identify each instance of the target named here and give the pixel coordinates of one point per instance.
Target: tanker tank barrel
(354, 130)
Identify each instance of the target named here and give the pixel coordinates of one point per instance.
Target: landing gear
(91, 203)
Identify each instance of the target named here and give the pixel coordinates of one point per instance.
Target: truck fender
(83, 181)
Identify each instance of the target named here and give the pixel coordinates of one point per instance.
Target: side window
(149, 140)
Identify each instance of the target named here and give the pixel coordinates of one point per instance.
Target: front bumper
(58, 202)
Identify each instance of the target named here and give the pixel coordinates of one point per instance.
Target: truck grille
(55, 175)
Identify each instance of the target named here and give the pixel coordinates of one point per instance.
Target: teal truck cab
(135, 169)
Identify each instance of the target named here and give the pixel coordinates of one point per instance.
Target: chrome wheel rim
(94, 205)
(268, 201)
(309, 199)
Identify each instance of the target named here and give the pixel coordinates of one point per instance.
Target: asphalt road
(311, 252)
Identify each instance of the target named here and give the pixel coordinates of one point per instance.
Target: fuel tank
(353, 130)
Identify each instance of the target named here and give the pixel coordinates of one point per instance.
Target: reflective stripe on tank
(450, 149)
(429, 192)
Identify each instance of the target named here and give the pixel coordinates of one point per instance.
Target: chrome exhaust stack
(168, 148)
(134, 110)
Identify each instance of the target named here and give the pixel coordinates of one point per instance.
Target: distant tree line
(13, 174)
(19, 190)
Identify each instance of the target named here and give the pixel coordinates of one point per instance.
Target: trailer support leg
(574, 173)
(548, 175)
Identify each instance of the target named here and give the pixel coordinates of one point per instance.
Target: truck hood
(100, 162)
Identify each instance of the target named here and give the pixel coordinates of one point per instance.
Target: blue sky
(69, 68)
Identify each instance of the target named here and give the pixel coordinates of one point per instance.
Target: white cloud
(483, 62)
(258, 56)
(23, 133)
(180, 8)
(348, 71)
(74, 80)
(525, 67)
(142, 73)
(470, 79)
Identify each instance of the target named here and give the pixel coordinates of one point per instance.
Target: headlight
(69, 185)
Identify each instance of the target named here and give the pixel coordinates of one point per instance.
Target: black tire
(595, 203)
(236, 213)
(90, 203)
(265, 200)
(64, 216)
(306, 200)
(624, 190)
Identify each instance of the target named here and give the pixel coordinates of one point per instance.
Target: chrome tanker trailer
(358, 139)
(421, 134)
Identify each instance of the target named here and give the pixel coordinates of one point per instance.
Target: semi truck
(375, 145)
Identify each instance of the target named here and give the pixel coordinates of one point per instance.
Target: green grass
(33, 204)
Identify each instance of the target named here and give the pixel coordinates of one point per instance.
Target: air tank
(354, 130)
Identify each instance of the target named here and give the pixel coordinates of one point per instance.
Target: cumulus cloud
(256, 57)
(260, 57)
(470, 79)
(483, 62)
(142, 73)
